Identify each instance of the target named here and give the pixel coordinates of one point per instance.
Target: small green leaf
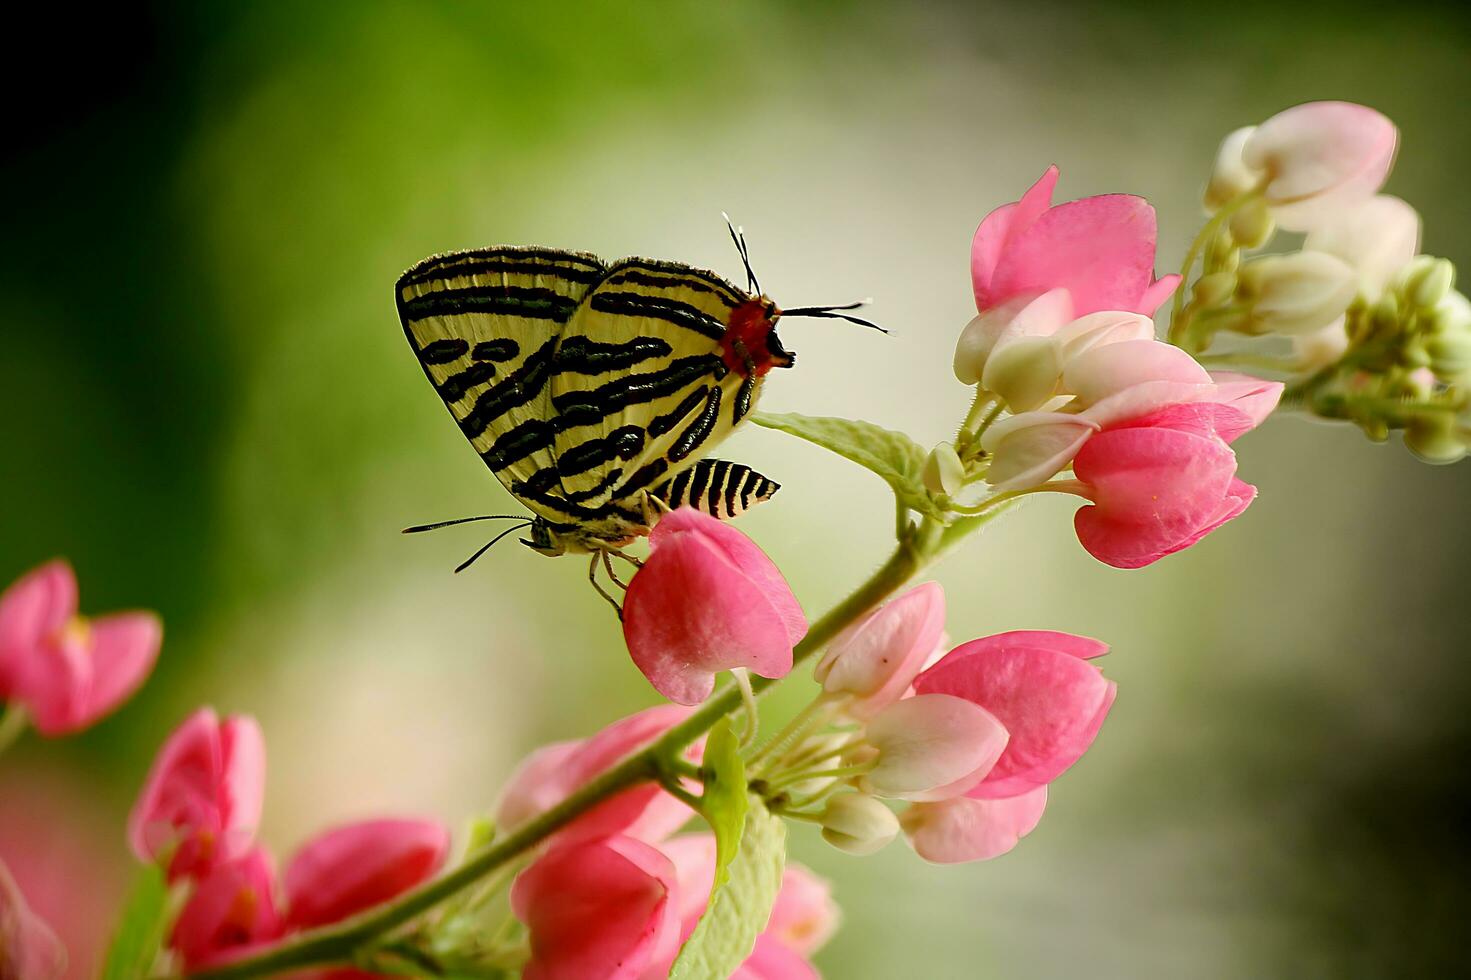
(140, 931)
(895, 457)
(741, 903)
(726, 798)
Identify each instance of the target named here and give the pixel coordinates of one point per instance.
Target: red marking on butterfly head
(750, 344)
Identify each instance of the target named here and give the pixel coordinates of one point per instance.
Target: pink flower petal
(771, 960)
(124, 647)
(40, 603)
(1030, 448)
(1256, 398)
(1162, 476)
(352, 868)
(552, 773)
(999, 227)
(1113, 368)
(1048, 700)
(1082, 647)
(29, 949)
(805, 915)
(931, 747)
(966, 829)
(1320, 154)
(232, 907)
(597, 910)
(877, 658)
(707, 600)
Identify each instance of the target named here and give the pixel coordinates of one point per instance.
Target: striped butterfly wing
(639, 386)
(717, 487)
(484, 325)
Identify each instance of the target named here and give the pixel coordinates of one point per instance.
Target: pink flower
(203, 796)
(67, 671)
(1160, 483)
(802, 920)
(551, 773)
(1314, 158)
(597, 910)
(1100, 249)
(231, 912)
(874, 661)
(1041, 687)
(707, 600)
(29, 950)
(351, 868)
(965, 829)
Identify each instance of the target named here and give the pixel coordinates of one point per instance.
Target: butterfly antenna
(833, 313)
(738, 235)
(463, 520)
(486, 547)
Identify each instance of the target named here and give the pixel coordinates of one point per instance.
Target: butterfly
(593, 390)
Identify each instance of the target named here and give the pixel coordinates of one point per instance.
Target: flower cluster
(197, 815)
(1378, 334)
(1064, 348)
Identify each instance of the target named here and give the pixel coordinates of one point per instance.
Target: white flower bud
(858, 824)
(1252, 225)
(931, 747)
(1023, 372)
(1434, 438)
(943, 470)
(1296, 293)
(1377, 236)
(1231, 177)
(1321, 347)
(1452, 314)
(1431, 284)
(1450, 355)
(1214, 289)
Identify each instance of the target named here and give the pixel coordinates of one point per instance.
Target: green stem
(336, 943)
(12, 725)
(1202, 239)
(1056, 486)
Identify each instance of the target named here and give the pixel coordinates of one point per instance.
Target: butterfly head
(750, 344)
(544, 540)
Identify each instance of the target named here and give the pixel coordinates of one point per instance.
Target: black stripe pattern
(717, 487)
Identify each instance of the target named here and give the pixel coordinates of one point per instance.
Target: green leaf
(895, 457)
(140, 931)
(746, 886)
(726, 799)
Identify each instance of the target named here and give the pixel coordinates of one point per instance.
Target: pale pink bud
(230, 912)
(597, 909)
(29, 950)
(875, 660)
(858, 824)
(351, 868)
(550, 774)
(1027, 315)
(1041, 687)
(932, 747)
(1318, 156)
(1377, 237)
(1296, 293)
(707, 600)
(1100, 329)
(1100, 249)
(1231, 177)
(1109, 369)
(1030, 448)
(203, 796)
(69, 672)
(965, 829)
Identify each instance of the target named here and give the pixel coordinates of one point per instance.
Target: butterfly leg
(612, 575)
(592, 576)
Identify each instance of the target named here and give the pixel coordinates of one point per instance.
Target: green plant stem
(12, 725)
(1202, 239)
(337, 943)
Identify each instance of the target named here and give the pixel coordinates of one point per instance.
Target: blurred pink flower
(874, 661)
(803, 919)
(1041, 687)
(597, 910)
(231, 912)
(1100, 249)
(706, 600)
(553, 772)
(204, 794)
(1160, 483)
(1314, 158)
(67, 671)
(354, 867)
(29, 950)
(965, 829)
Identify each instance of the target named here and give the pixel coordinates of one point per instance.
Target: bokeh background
(207, 404)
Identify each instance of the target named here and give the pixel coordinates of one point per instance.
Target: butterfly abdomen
(717, 487)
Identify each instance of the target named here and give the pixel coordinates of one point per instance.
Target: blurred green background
(207, 404)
